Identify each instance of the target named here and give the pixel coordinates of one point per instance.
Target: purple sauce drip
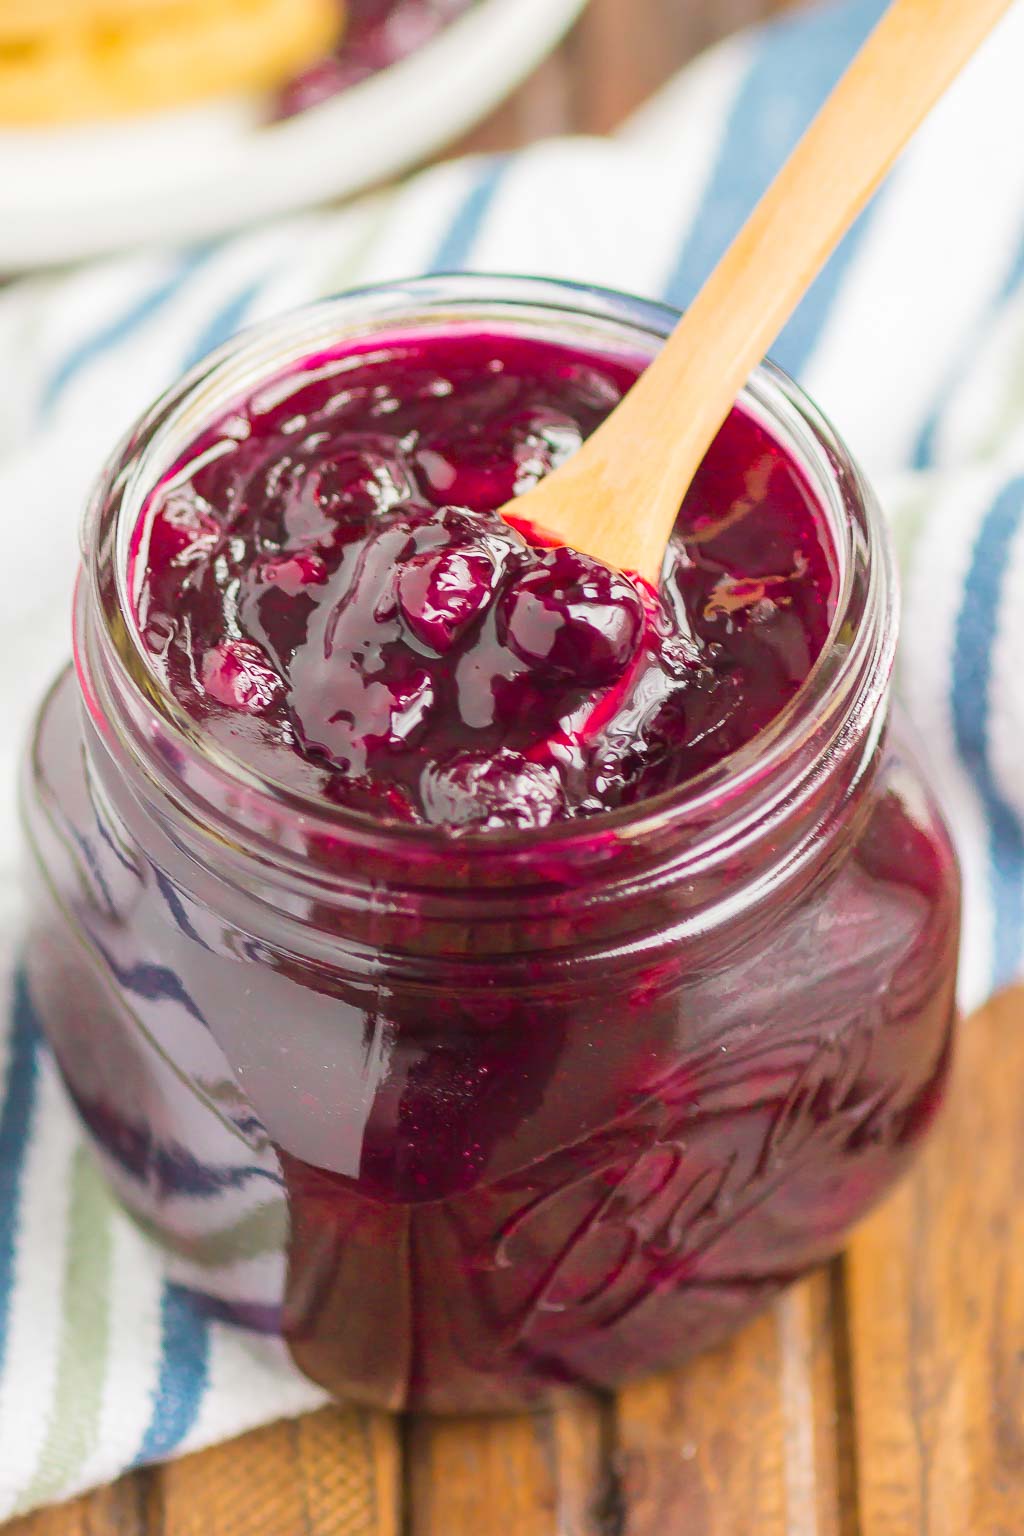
(325, 583)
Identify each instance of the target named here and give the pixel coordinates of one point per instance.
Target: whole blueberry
(491, 791)
(573, 617)
(441, 592)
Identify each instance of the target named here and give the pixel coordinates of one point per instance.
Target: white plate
(69, 193)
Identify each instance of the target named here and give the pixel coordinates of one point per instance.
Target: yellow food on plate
(70, 60)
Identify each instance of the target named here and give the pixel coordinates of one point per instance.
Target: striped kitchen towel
(913, 341)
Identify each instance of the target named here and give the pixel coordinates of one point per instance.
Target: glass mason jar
(468, 1120)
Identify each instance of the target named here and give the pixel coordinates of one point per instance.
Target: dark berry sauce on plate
(378, 33)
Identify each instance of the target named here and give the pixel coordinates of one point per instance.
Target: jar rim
(855, 660)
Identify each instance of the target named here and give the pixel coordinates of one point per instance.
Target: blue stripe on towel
(184, 1375)
(458, 240)
(121, 327)
(977, 630)
(16, 1111)
(229, 318)
(810, 52)
(924, 450)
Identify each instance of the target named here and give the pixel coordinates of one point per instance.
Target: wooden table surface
(617, 56)
(884, 1397)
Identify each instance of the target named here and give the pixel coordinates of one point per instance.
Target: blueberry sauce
(324, 582)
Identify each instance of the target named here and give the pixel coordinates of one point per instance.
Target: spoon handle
(677, 407)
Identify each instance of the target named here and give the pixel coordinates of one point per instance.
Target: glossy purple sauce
(325, 583)
(378, 33)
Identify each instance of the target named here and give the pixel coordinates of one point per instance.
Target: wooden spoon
(618, 497)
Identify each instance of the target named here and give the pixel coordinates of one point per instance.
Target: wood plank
(628, 49)
(542, 108)
(743, 1440)
(537, 1475)
(936, 1312)
(626, 52)
(617, 56)
(118, 1511)
(336, 1473)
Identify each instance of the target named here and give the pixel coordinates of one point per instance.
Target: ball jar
(465, 1120)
